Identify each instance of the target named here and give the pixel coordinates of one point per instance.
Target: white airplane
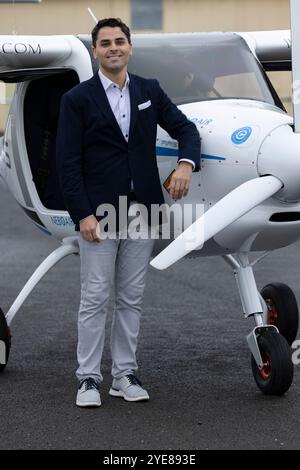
(249, 182)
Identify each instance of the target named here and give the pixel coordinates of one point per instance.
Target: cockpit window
(201, 67)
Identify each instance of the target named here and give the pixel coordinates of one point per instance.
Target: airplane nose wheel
(5, 340)
(276, 377)
(282, 310)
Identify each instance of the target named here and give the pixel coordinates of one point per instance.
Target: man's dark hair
(111, 23)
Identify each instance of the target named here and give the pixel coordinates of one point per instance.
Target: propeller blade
(226, 211)
(295, 37)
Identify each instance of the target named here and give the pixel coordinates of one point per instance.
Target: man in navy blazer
(106, 148)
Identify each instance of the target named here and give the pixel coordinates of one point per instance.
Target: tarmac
(193, 357)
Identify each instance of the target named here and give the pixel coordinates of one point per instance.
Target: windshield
(197, 67)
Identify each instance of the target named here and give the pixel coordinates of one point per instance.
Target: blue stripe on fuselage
(167, 152)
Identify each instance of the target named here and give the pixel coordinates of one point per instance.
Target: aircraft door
(41, 111)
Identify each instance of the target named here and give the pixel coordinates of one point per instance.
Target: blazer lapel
(100, 98)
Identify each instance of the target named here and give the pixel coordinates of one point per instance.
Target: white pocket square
(144, 105)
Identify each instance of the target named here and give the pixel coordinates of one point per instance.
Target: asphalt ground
(193, 358)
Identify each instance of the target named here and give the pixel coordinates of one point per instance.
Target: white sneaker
(129, 388)
(88, 393)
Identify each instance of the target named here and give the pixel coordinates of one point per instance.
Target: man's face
(112, 49)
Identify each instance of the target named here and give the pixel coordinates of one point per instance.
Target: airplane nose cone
(279, 156)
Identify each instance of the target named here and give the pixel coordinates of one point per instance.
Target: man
(106, 149)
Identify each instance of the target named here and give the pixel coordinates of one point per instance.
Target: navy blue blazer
(95, 162)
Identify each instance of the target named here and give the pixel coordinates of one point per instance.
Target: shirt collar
(106, 82)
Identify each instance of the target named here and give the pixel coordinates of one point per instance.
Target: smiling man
(105, 150)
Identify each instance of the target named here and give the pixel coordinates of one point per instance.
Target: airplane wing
(272, 48)
(27, 57)
(32, 54)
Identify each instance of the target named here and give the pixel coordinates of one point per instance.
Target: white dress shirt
(119, 101)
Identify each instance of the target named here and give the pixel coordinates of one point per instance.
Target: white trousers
(123, 263)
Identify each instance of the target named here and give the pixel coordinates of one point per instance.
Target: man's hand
(180, 181)
(89, 228)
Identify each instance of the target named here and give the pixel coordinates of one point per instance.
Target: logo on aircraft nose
(241, 135)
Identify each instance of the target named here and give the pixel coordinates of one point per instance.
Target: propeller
(295, 37)
(226, 211)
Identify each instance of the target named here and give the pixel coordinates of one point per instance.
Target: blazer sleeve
(179, 128)
(69, 154)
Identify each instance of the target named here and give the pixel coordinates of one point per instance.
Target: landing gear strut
(69, 246)
(275, 313)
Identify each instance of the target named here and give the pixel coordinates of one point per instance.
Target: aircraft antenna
(92, 15)
(295, 38)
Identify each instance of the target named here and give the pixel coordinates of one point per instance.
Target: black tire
(283, 309)
(277, 375)
(5, 337)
